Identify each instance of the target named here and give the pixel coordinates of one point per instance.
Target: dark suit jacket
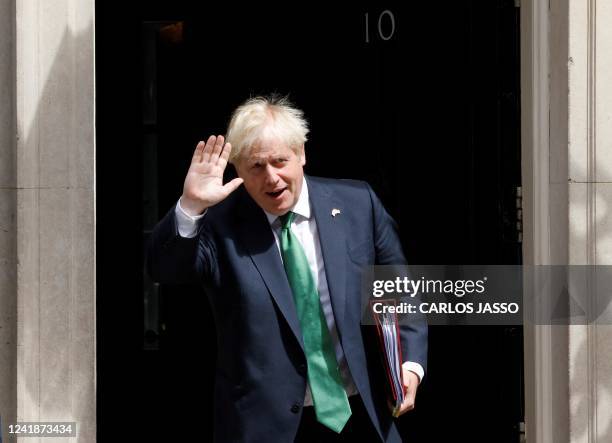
(261, 368)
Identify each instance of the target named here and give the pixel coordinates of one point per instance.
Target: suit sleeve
(389, 252)
(172, 259)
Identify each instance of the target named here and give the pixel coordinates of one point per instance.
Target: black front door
(422, 101)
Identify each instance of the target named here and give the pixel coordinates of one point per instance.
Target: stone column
(48, 214)
(567, 175)
(589, 67)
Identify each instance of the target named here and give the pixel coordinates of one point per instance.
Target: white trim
(542, 408)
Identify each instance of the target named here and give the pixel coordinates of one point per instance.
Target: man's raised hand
(203, 185)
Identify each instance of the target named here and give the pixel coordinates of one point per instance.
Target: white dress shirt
(304, 227)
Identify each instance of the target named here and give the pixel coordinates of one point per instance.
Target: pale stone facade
(47, 214)
(566, 58)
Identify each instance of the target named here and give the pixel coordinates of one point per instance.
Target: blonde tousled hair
(264, 118)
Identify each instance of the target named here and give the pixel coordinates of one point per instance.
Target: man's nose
(271, 175)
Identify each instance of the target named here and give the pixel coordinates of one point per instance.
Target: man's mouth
(277, 193)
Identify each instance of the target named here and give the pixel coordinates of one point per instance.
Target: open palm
(203, 185)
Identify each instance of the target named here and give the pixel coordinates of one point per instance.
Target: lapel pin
(335, 212)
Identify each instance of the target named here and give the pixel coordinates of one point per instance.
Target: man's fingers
(410, 388)
(210, 144)
(233, 185)
(227, 149)
(197, 153)
(407, 405)
(408, 402)
(217, 149)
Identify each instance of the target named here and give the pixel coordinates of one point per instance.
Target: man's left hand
(411, 383)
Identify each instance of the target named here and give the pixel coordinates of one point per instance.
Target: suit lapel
(332, 238)
(257, 236)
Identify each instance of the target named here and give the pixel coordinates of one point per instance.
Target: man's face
(272, 175)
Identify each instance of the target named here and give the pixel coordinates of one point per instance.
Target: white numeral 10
(387, 16)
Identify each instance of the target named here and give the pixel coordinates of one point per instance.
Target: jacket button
(295, 408)
(302, 369)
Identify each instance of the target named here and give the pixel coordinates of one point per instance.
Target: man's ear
(303, 156)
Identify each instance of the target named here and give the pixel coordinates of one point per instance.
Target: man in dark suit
(280, 259)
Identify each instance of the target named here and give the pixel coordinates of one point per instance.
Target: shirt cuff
(186, 224)
(414, 367)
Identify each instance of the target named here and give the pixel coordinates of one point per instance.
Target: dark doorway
(420, 100)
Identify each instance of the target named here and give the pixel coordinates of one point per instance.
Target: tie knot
(287, 219)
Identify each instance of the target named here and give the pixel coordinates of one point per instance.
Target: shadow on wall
(590, 384)
(55, 208)
(593, 388)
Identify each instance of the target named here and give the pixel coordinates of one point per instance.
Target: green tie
(328, 396)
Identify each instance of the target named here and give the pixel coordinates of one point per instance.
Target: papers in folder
(388, 333)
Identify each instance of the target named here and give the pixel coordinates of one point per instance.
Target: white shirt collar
(302, 206)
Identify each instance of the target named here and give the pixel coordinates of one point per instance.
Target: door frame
(545, 207)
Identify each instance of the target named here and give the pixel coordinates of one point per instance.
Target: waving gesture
(203, 185)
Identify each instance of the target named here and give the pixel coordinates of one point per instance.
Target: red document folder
(387, 328)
